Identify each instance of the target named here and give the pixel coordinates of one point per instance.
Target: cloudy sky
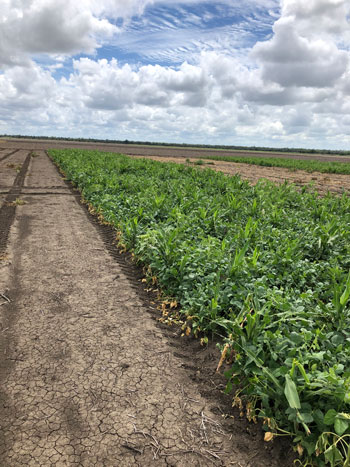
(252, 72)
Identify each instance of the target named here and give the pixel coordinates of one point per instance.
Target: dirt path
(87, 377)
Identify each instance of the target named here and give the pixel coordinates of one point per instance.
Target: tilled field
(162, 151)
(88, 377)
(321, 182)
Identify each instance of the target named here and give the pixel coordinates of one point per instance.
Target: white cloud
(293, 89)
(318, 16)
(59, 26)
(292, 59)
(25, 88)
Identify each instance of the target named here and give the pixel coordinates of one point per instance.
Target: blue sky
(169, 35)
(259, 72)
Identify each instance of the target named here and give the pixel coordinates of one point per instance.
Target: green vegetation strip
(265, 266)
(291, 164)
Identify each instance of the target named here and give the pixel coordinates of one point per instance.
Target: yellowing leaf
(269, 436)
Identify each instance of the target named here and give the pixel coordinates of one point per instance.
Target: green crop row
(290, 164)
(264, 266)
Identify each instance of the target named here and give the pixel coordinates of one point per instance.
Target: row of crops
(333, 167)
(265, 266)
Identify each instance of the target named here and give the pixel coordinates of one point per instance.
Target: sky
(254, 72)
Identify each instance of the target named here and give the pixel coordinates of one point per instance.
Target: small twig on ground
(184, 395)
(203, 428)
(198, 451)
(211, 453)
(217, 427)
(132, 448)
(5, 298)
(140, 432)
(155, 444)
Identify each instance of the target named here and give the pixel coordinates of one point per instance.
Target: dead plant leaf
(223, 356)
(269, 436)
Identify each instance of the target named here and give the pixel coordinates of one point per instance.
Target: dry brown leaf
(223, 356)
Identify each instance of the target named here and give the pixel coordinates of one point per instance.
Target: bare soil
(166, 151)
(88, 376)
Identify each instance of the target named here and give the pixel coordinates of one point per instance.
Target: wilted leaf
(269, 436)
(223, 356)
(333, 455)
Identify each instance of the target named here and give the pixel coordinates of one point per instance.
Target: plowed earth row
(88, 377)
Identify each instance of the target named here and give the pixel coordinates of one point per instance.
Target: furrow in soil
(6, 156)
(8, 209)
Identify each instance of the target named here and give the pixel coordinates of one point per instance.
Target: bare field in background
(322, 182)
(162, 151)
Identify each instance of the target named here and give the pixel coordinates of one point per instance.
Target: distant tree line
(184, 145)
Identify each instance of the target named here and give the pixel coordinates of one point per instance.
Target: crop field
(319, 181)
(330, 167)
(266, 267)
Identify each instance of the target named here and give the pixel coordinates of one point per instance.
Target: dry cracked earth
(88, 377)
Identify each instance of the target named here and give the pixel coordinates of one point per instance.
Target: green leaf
(333, 455)
(306, 417)
(291, 393)
(330, 417)
(345, 296)
(341, 425)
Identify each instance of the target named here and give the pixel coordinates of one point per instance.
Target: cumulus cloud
(295, 56)
(318, 16)
(59, 26)
(23, 88)
(292, 89)
(106, 85)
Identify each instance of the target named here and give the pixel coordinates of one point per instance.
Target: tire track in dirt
(8, 209)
